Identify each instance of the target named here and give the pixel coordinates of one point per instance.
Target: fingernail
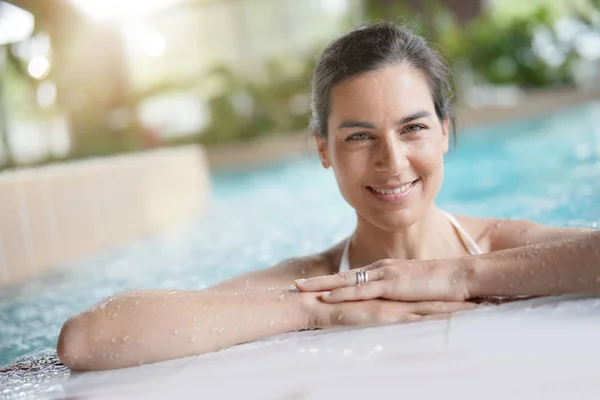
(326, 293)
(301, 281)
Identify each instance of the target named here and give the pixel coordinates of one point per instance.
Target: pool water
(545, 169)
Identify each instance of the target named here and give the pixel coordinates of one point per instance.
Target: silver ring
(361, 276)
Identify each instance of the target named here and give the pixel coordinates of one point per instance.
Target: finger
(364, 291)
(435, 317)
(438, 307)
(331, 282)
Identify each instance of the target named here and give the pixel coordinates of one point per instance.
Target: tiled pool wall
(58, 213)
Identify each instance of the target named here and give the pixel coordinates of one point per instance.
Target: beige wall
(57, 213)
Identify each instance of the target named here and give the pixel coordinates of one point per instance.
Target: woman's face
(386, 145)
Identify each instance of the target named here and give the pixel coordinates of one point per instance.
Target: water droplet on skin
(598, 278)
(221, 330)
(206, 307)
(248, 319)
(135, 303)
(560, 281)
(271, 324)
(303, 272)
(340, 317)
(531, 272)
(114, 315)
(271, 288)
(102, 305)
(192, 338)
(429, 282)
(125, 338)
(113, 339)
(175, 332)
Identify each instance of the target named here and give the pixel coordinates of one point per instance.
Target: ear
(322, 149)
(445, 135)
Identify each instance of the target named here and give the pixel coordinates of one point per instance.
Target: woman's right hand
(379, 312)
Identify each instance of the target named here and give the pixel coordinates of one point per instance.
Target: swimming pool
(546, 169)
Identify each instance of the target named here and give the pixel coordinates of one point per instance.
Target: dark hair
(370, 47)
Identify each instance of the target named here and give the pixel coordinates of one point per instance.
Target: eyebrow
(369, 125)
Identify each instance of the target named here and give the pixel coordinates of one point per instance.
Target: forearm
(150, 326)
(557, 267)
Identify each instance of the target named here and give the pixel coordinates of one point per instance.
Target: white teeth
(393, 191)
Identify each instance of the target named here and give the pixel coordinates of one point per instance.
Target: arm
(153, 325)
(526, 259)
(532, 259)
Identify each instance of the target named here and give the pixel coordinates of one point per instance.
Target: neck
(432, 236)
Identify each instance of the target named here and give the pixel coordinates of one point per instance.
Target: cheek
(349, 168)
(426, 157)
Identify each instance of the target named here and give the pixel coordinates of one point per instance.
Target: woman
(382, 122)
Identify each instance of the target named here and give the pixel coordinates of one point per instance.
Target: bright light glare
(154, 44)
(17, 24)
(117, 9)
(46, 94)
(38, 67)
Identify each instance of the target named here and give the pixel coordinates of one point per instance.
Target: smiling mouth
(393, 194)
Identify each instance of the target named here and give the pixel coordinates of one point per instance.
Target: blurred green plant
(504, 45)
(277, 102)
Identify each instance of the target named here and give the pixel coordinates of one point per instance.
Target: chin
(394, 220)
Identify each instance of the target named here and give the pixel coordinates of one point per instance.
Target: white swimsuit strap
(345, 261)
(467, 240)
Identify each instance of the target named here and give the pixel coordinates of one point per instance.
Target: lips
(393, 193)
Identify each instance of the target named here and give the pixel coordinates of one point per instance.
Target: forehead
(400, 89)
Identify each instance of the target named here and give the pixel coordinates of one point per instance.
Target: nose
(391, 156)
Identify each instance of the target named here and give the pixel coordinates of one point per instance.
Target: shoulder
(495, 234)
(480, 229)
(285, 272)
(323, 263)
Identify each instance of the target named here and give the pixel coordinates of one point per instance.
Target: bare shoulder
(480, 229)
(494, 234)
(284, 273)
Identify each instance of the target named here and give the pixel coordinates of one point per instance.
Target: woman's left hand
(402, 280)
